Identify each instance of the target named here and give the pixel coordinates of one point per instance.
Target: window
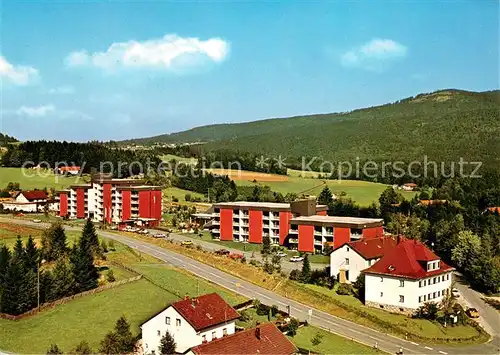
(178, 322)
(447, 276)
(434, 295)
(425, 298)
(401, 283)
(420, 284)
(347, 261)
(438, 265)
(214, 336)
(429, 297)
(439, 293)
(224, 331)
(425, 283)
(167, 320)
(347, 248)
(419, 299)
(381, 294)
(203, 338)
(442, 279)
(369, 263)
(401, 298)
(434, 280)
(381, 279)
(158, 333)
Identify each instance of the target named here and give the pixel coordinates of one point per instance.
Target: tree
(266, 246)
(83, 348)
(90, 235)
(167, 344)
(306, 269)
(292, 327)
(31, 254)
(110, 276)
(63, 280)
(428, 310)
(466, 249)
(119, 341)
(54, 349)
(388, 199)
(54, 242)
(325, 197)
(84, 271)
(276, 262)
(359, 285)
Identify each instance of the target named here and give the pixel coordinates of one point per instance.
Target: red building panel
(145, 204)
(255, 226)
(126, 205)
(306, 238)
(373, 232)
(156, 201)
(226, 224)
(341, 236)
(322, 213)
(106, 202)
(285, 218)
(80, 203)
(63, 204)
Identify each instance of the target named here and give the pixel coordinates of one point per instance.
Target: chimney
(399, 239)
(257, 331)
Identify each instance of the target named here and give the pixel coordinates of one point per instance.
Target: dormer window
(433, 265)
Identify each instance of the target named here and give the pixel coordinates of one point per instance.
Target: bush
(359, 285)
(255, 263)
(274, 310)
(199, 247)
(243, 260)
(429, 310)
(295, 275)
(187, 197)
(345, 289)
(175, 199)
(292, 327)
(110, 276)
(268, 267)
(244, 316)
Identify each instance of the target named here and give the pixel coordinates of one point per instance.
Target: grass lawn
(31, 179)
(330, 343)
(169, 157)
(174, 192)
(91, 317)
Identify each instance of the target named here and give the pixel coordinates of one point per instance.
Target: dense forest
(89, 156)
(444, 126)
(6, 139)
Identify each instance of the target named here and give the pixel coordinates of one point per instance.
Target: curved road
(337, 325)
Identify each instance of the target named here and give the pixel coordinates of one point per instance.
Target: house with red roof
(191, 321)
(263, 339)
(27, 201)
(68, 170)
(406, 277)
(348, 260)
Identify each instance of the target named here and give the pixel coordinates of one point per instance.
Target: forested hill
(5, 139)
(444, 125)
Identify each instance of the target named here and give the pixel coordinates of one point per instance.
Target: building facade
(191, 322)
(406, 277)
(350, 259)
(107, 200)
(27, 201)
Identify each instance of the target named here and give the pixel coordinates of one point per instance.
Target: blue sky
(109, 70)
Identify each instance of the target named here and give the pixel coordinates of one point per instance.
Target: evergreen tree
(266, 246)
(54, 242)
(84, 271)
(325, 197)
(4, 263)
(306, 269)
(83, 348)
(31, 254)
(90, 235)
(119, 341)
(13, 284)
(167, 344)
(18, 256)
(63, 281)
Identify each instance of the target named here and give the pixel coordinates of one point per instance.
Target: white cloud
(62, 90)
(38, 111)
(17, 74)
(167, 53)
(374, 55)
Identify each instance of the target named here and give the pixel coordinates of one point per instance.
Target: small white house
(406, 277)
(348, 260)
(192, 321)
(27, 201)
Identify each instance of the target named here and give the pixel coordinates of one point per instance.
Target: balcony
(318, 242)
(293, 231)
(356, 236)
(215, 231)
(293, 240)
(216, 214)
(216, 223)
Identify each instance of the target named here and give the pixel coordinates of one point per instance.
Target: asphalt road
(316, 317)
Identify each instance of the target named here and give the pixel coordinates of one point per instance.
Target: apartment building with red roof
(263, 339)
(348, 260)
(407, 276)
(191, 321)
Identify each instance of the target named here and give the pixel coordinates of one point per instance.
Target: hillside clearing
(32, 179)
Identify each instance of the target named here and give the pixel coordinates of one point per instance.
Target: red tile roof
(372, 248)
(408, 259)
(432, 202)
(270, 341)
(34, 195)
(205, 311)
(494, 209)
(69, 168)
(411, 184)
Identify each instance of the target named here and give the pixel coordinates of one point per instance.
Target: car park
(296, 259)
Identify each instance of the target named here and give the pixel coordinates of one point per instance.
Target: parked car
(159, 235)
(296, 259)
(143, 231)
(36, 221)
(222, 252)
(455, 293)
(236, 256)
(282, 254)
(472, 312)
(186, 242)
(114, 227)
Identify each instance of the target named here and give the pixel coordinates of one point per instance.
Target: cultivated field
(169, 157)
(248, 176)
(31, 179)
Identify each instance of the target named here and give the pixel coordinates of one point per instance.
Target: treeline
(6, 139)
(73, 269)
(456, 225)
(90, 156)
(228, 159)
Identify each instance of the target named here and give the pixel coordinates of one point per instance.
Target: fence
(64, 300)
